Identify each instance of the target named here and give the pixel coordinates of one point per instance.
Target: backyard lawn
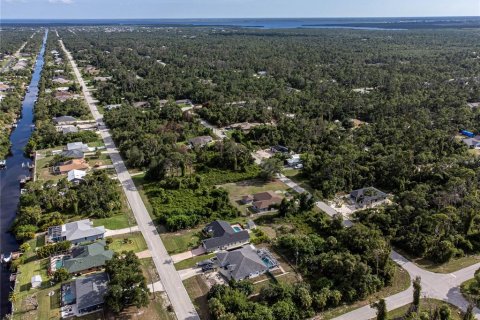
(135, 243)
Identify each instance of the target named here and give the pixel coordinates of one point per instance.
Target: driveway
(111, 233)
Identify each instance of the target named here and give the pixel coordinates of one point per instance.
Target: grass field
(401, 282)
(448, 267)
(197, 290)
(118, 221)
(136, 242)
(181, 241)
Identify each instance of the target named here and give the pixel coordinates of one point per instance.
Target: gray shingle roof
(241, 263)
(90, 290)
(223, 235)
(81, 229)
(64, 119)
(85, 257)
(75, 154)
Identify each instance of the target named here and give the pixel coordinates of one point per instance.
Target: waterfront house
(88, 258)
(75, 232)
(84, 295)
(64, 120)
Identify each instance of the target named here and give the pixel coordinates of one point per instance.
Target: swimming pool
(68, 295)
(237, 228)
(58, 264)
(268, 262)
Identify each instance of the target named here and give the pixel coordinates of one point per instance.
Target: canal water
(9, 177)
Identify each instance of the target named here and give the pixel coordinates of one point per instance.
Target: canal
(9, 177)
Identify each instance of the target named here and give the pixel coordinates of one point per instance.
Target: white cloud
(61, 1)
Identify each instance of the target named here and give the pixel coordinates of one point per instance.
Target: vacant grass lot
(448, 267)
(197, 290)
(135, 243)
(178, 242)
(426, 305)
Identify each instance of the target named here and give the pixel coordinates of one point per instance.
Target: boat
(6, 258)
(3, 164)
(24, 179)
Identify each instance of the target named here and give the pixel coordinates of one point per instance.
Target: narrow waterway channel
(9, 177)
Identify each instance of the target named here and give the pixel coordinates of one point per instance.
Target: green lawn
(118, 221)
(296, 176)
(178, 242)
(149, 271)
(401, 282)
(427, 305)
(48, 306)
(192, 262)
(470, 290)
(197, 290)
(27, 270)
(136, 242)
(139, 181)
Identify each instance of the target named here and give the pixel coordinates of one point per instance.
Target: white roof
(75, 175)
(37, 278)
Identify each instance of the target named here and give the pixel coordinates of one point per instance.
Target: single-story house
(76, 176)
(112, 106)
(223, 237)
(63, 95)
(200, 141)
(77, 146)
(75, 232)
(262, 201)
(86, 293)
(367, 196)
(88, 258)
(68, 128)
(102, 79)
(279, 148)
(294, 160)
(185, 102)
(91, 70)
(60, 79)
(74, 164)
(63, 120)
(36, 281)
(141, 104)
(472, 143)
(73, 154)
(244, 263)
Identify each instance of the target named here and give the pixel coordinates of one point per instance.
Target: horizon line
(235, 18)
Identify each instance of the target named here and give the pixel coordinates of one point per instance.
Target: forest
(364, 108)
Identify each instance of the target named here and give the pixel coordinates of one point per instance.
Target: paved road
(445, 287)
(169, 277)
(439, 286)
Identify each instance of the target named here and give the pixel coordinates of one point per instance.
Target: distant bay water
(279, 23)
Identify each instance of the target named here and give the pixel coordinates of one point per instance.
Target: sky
(157, 9)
